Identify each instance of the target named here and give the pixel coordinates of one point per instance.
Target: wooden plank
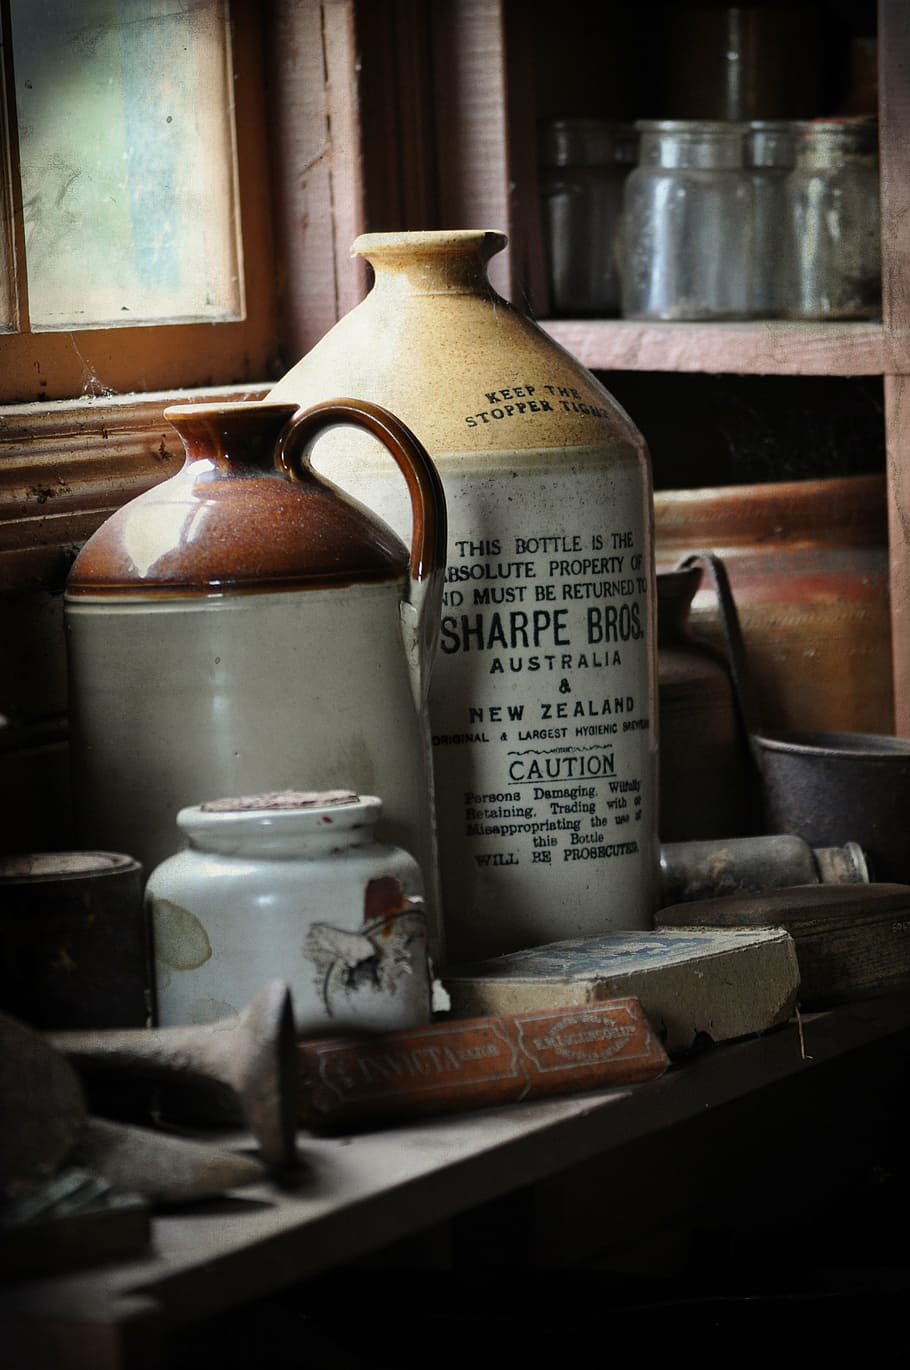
(87, 1330)
(894, 120)
(360, 1193)
(341, 65)
(472, 143)
(530, 287)
(897, 429)
(894, 117)
(317, 162)
(400, 169)
(753, 349)
(64, 467)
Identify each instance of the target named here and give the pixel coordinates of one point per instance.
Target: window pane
(128, 165)
(8, 302)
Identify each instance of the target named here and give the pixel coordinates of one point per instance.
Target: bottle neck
(588, 142)
(770, 146)
(827, 146)
(440, 263)
(691, 145)
(230, 437)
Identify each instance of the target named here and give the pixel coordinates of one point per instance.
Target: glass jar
(768, 156)
(583, 167)
(833, 221)
(290, 885)
(687, 225)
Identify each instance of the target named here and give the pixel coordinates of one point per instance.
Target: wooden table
(358, 1194)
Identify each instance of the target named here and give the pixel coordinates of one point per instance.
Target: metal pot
(827, 787)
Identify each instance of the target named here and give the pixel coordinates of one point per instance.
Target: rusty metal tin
(73, 944)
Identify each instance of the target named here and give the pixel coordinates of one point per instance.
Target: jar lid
(281, 799)
(63, 866)
(275, 817)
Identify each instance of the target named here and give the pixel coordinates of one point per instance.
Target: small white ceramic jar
(294, 885)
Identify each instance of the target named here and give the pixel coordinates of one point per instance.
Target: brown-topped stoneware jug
(245, 626)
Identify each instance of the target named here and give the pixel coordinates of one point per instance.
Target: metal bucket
(829, 788)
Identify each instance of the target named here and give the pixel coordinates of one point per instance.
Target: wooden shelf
(357, 1193)
(763, 348)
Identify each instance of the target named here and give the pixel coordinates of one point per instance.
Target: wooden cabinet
(407, 114)
(467, 97)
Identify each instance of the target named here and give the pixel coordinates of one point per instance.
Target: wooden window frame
(380, 114)
(66, 464)
(47, 365)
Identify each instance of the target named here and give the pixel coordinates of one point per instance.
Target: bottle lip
(691, 144)
(252, 409)
(492, 240)
(859, 131)
(728, 127)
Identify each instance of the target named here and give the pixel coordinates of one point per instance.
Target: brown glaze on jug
(246, 512)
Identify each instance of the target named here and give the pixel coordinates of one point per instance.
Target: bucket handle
(743, 689)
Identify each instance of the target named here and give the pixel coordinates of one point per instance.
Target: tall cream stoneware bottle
(543, 693)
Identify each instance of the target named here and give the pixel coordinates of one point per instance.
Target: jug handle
(743, 689)
(420, 611)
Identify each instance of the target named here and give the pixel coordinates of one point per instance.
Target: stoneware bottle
(544, 689)
(295, 886)
(244, 627)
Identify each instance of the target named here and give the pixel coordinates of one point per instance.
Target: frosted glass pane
(127, 155)
(8, 302)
